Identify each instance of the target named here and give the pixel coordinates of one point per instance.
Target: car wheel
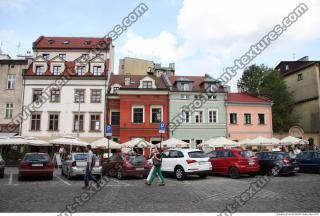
(203, 176)
(112, 172)
(179, 173)
(119, 174)
(234, 172)
(252, 174)
(272, 171)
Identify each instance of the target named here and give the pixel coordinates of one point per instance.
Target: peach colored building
(248, 116)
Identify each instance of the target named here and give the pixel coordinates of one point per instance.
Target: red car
(234, 162)
(36, 164)
(121, 165)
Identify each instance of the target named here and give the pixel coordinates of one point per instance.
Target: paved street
(300, 193)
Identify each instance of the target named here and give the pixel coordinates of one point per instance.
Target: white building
(67, 72)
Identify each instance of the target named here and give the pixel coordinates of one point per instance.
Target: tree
(266, 82)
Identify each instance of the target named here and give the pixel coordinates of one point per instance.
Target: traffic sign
(162, 127)
(109, 130)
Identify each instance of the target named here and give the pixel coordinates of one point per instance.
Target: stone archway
(296, 131)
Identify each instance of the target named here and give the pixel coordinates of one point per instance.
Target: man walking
(157, 161)
(90, 164)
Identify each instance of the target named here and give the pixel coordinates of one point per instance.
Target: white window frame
(82, 72)
(185, 97)
(9, 111)
(99, 70)
(156, 107)
(58, 72)
(41, 71)
(203, 117)
(63, 54)
(11, 81)
(132, 113)
(244, 118)
(217, 119)
(184, 116)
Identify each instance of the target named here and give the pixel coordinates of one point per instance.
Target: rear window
(197, 154)
(36, 158)
(246, 154)
(80, 157)
(136, 159)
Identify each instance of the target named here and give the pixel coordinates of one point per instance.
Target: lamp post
(161, 130)
(78, 119)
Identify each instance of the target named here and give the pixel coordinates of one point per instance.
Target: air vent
(50, 41)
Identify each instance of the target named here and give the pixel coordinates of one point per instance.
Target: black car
(2, 164)
(281, 160)
(309, 161)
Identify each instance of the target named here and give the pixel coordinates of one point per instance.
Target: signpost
(108, 134)
(162, 130)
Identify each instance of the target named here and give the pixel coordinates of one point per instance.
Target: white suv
(183, 162)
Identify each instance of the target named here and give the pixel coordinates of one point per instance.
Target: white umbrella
(12, 141)
(137, 142)
(261, 141)
(219, 142)
(103, 143)
(36, 142)
(275, 140)
(290, 140)
(173, 143)
(244, 141)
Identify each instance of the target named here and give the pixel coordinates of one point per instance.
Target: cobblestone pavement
(299, 193)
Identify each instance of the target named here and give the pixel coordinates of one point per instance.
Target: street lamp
(78, 118)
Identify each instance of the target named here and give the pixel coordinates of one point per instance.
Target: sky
(199, 36)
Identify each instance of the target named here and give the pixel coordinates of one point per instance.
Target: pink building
(248, 116)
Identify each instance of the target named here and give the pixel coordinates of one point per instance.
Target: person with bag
(157, 161)
(91, 160)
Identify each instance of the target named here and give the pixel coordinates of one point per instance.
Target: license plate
(37, 165)
(139, 168)
(251, 162)
(202, 162)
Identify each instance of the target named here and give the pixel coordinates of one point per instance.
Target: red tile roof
(44, 42)
(246, 98)
(196, 82)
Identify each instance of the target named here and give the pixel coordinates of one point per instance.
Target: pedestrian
(153, 151)
(157, 161)
(91, 160)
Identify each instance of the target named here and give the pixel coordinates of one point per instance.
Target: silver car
(2, 164)
(76, 164)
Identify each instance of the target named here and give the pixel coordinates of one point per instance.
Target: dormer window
(87, 42)
(46, 56)
(56, 70)
(185, 86)
(66, 42)
(96, 70)
(63, 56)
(115, 89)
(146, 84)
(81, 70)
(212, 97)
(39, 70)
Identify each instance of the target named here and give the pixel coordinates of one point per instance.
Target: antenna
(294, 56)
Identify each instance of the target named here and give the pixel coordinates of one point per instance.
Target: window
(300, 77)
(233, 118)
(261, 118)
(100, 55)
(56, 70)
(175, 154)
(9, 111)
(79, 95)
(185, 116)
(198, 116)
(187, 141)
(35, 121)
(39, 70)
(115, 118)
(96, 70)
(95, 122)
(247, 118)
(95, 95)
(63, 56)
(76, 125)
(115, 90)
(81, 70)
(156, 115)
(212, 117)
(146, 84)
(46, 56)
(198, 97)
(185, 86)
(185, 97)
(37, 94)
(212, 97)
(55, 96)
(11, 81)
(198, 142)
(53, 122)
(138, 114)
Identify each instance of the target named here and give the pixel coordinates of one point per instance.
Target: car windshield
(197, 154)
(136, 159)
(80, 157)
(36, 158)
(246, 154)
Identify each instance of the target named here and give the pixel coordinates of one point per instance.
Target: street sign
(162, 127)
(109, 130)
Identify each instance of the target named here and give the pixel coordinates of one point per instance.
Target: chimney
(127, 80)
(239, 87)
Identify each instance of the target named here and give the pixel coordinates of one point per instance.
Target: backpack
(93, 163)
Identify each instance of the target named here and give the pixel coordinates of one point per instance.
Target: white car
(183, 162)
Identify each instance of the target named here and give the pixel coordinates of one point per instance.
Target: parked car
(2, 165)
(309, 161)
(121, 165)
(282, 160)
(234, 162)
(183, 162)
(36, 164)
(76, 165)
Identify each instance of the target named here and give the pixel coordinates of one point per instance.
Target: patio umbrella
(219, 142)
(258, 141)
(36, 142)
(103, 143)
(275, 140)
(244, 141)
(12, 141)
(68, 140)
(137, 142)
(173, 143)
(290, 140)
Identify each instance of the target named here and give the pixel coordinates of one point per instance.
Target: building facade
(10, 94)
(64, 88)
(136, 105)
(248, 116)
(207, 121)
(303, 80)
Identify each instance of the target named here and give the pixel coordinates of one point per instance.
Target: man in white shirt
(88, 176)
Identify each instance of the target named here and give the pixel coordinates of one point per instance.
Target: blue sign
(162, 127)
(109, 130)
